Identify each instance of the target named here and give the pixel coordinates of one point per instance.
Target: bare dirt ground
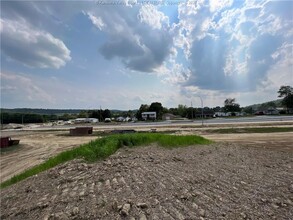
(242, 176)
(276, 140)
(35, 148)
(219, 181)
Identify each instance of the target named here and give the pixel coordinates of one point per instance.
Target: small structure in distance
(149, 115)
(80, 131)
(7, 142)
(85, 120)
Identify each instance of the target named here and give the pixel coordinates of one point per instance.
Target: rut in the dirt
(219, 181)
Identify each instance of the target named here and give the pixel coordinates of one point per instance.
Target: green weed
(104, 147)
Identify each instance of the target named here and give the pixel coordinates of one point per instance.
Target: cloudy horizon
(121, 54)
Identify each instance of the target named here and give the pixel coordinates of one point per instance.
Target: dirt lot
(242, 176)
(34, 148)
(219, 181)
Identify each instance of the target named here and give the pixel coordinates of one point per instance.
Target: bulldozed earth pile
(218, 181)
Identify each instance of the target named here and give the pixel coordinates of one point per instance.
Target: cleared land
(244, 176)
(219, 181)
(35, 148)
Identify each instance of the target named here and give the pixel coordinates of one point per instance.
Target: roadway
(172, 123)
(236, 120)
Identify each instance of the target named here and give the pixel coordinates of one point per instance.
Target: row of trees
(99, 114)
(230, 105)
(286, 92)
(154, 107)
(20, 118)
(23, 118)
(184, 111)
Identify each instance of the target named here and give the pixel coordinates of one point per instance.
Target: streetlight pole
(100, 114)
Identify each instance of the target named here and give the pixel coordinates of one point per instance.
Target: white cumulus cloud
(32, 47)
(150, 15)
(20, 88)
(97, 21)
(216, 5)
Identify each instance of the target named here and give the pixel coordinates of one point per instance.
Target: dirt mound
(220, 181)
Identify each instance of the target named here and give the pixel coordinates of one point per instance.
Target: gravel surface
(218, 181)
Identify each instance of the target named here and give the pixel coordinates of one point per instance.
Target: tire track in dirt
(219, 181)
(35, 148)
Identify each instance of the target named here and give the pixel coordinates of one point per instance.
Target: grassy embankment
(104, 147)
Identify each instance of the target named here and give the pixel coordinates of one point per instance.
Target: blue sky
(121, 54)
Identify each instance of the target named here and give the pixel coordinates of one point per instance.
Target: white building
(120, 119)
(149, 115)
(92, 120)
(80, 120)
(86, 120)
(221, 114)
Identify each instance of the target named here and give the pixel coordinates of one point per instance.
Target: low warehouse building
(149, 115)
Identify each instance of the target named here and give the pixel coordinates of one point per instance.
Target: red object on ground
(7, 142)
(79, 131)
(4, 142)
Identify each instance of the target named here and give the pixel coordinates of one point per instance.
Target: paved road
(256, 119)
(213, 121)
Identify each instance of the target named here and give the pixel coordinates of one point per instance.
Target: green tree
(19, 118)
(94, 114)
(248, 110)
(230, 105)
(130, 113)
(287, 93)
(217, 109)
(272, 104)
(182, 110)
(143, 108)
(173, 111)
(83, 114)
(106, 113)
(190, 112)
(158, 108)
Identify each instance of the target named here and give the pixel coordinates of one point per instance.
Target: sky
(119, 54)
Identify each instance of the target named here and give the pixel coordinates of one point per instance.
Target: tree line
(230, 105)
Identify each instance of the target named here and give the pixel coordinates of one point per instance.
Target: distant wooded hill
(256, 107)
(263, 106)
(41, 111)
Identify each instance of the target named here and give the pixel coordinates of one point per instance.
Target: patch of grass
(251, 130)
(104, 147)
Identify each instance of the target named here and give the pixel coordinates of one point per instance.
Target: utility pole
(201, 111)
(100, 114)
